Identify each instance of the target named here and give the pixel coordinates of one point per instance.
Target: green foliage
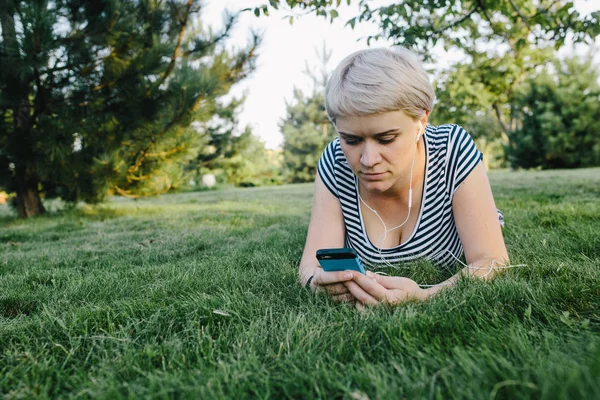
(483, 127)
(306, 131)
(244, 161)
(105, 93)
(254, 165)
(484, 86)
(458, 101)
(240, 159)
(560, 106)
(306, 128)
(501, 43)
(195, 296)
(324, 8)
(460, 23)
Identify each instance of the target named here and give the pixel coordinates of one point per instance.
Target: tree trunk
(503, 127)
(20, 141)
(29, 202)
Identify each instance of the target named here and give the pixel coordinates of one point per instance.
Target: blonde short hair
(374, 81)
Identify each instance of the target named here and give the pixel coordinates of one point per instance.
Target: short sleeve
(326, 167)
(463, 157)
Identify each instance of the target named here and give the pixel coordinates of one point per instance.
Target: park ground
(195, 295)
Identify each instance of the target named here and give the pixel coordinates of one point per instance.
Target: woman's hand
(332, 283)
(374, 289)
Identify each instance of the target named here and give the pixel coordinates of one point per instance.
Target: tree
(306, 128)
(99, 96)
(560, 105)
(501, 41)
(253, 165)
(459, 98)
(240, 157)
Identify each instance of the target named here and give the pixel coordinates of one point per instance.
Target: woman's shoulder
(334, 145)
(332, 165)
(445, 130)
(453, 151)
(446, 135)
(333, 152)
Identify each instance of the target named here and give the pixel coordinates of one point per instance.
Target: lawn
(194, 295)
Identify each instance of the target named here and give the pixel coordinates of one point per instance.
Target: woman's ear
(423, 121)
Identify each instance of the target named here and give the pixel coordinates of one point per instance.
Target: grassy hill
(194, 295)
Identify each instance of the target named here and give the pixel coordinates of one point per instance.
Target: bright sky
(284, 51)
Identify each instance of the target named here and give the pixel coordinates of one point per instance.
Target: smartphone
(340, 260)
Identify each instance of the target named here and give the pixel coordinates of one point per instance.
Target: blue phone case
(333, 264)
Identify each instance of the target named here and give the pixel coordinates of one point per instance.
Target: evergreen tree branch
(174, 6)
(144, 153)
(128, 194)
(40, 98)
(167, 153)
(203, 45)
(177, 46)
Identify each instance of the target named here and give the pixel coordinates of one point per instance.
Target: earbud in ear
(420, 133)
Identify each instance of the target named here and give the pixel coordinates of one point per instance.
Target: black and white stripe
(451, 155)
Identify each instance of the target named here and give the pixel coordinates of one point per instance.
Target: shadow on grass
(91, 212)
(13, 307)
(98, 212)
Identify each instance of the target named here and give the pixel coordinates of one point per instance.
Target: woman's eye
(351, 142)
(386, 140)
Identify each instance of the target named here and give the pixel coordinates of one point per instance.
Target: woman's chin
(376, 186)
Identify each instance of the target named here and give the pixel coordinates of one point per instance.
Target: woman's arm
(478, 227)
(326, 230)
(479, 232)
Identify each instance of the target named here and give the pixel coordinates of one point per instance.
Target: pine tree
(98, 97)
(306, 128)
(236, 156)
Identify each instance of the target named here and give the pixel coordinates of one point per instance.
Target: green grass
(194, 295)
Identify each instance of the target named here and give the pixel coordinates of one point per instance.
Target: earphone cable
(385, 232)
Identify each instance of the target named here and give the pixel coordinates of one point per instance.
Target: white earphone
(410, 196)
(420, 133)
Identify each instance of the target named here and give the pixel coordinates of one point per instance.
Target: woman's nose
(370, 155)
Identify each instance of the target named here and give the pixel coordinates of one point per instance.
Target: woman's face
(380, 148)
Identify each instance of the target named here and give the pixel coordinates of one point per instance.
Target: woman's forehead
(367, 125)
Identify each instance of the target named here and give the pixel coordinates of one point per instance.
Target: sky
(287, 48)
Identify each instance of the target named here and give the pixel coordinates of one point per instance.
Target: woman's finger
(322, 277)
(394, 282)
(360, 294)
(368, 283)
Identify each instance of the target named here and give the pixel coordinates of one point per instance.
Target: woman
(394, 188)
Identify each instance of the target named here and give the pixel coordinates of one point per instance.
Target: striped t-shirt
(451, 155)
